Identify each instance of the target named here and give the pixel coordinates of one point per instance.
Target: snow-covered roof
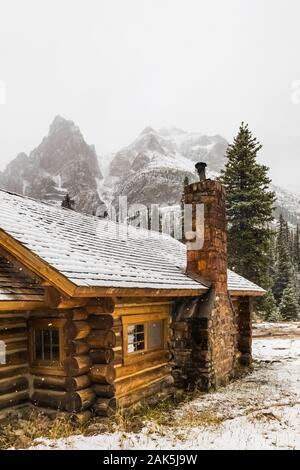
(16, 286)
(237, 283)
(92, 252)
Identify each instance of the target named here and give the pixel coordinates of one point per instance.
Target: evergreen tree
(284, 266)
(289, 306)
(67, 202)
(249, 208)
(296, 249)
(270, 309)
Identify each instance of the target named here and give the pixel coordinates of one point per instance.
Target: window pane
(136, 337)
(46, 344)
(155, 331)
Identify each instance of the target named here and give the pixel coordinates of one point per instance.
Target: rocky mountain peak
(62, 163)
(61, 124)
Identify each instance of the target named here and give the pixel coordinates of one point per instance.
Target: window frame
(39, 365)
(140, 319)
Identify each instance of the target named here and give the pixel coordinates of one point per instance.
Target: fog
(115, 66)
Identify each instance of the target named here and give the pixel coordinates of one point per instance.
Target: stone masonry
(211, 345)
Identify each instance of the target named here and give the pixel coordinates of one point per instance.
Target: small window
(136, 338)
(145, 335)
(46, 344)
(155, 334)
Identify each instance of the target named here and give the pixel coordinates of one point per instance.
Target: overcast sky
(115, 66)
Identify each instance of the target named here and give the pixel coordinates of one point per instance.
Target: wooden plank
(148, 363)
(127, 385)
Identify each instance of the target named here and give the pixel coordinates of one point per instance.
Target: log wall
(93, 373)
(14, 384)
(121, 384)
(67, 388)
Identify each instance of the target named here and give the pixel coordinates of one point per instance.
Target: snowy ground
(259, 411)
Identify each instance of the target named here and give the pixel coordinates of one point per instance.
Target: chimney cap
(200, 167)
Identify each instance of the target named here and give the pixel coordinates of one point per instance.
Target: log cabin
(96, 315)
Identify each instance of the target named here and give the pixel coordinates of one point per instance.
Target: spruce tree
(284, 265)
(67, 202)
(249, 208)
(270, 309)
(296, 248)
(289, 306)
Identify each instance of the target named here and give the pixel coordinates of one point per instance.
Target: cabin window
(135, 338)
(47, 338)
(46, 342)
(155, 334)
(143, 334)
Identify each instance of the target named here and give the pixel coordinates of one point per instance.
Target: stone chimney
(213, 329)
(210, 261)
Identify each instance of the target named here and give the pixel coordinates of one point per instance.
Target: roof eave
(137, 292)
(247, 293)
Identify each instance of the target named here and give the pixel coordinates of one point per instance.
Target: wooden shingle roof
(91, 253)
(16, 286)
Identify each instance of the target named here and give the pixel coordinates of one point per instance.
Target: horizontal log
(104, 374)
(50, 399)
(12, 399)
(101, 322)
(77, 348)
(101, 305)
(126, 386)
(77, 365)
(80, 400)
(12, 370)
(17, 356)
(69, 384)
(78, 330)
(49, 382)
(148, 361)
(13, 384)
(157, 391)
(80, 314)
(104, 391)
(19, 334)
(10, 324)
(102, 356)
(18, 345)
(105, 406)
(102, 339)
(77, 383)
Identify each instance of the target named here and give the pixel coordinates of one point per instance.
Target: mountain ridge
(150, 170)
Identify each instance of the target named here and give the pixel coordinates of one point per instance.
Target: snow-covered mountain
(62, 163)
(148, 171)
(152, 168)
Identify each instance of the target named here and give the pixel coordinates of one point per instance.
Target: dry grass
(170, 413)
(21, 431)
(32, 425)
